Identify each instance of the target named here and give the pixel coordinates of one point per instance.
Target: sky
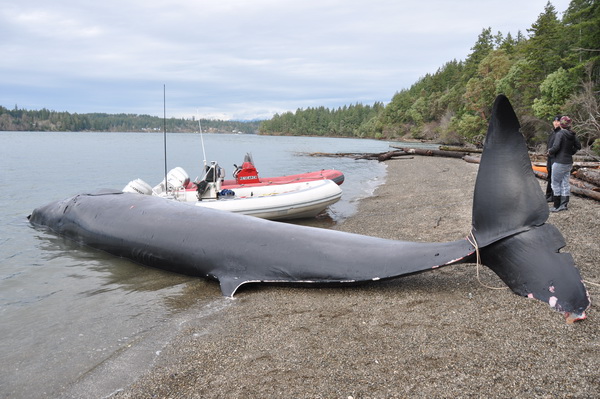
(235, 59)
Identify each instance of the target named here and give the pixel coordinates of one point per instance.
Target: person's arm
(576, 145)
(556, 144)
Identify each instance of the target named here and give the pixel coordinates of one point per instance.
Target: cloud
(234, 58)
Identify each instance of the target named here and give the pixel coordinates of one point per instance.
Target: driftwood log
(573, 181)
(336, 154)
(585, 193)
(389, 155)
(472, 159)
(589, 165)
(378, 156)
(589, 175)
(461, 149)
(355, 155)
(431, 152)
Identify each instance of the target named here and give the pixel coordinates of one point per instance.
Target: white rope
(473, 242)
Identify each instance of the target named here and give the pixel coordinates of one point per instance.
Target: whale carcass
(509, 233)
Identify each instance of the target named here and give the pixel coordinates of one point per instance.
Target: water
(66, 311)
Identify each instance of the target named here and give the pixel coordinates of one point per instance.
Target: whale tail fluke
(507, 198)
(509, 222)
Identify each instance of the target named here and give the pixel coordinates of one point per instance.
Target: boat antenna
(202, 139)
(165, 132)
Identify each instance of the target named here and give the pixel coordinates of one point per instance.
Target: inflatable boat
(301, 199)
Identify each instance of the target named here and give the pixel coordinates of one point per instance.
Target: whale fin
(509, 215)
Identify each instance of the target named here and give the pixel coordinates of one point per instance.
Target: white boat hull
(275, 202)
(281, 202)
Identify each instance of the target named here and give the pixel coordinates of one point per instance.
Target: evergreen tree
(545, 46)
(508, 44)
(482, 47)
(543, 52)
(582, 31)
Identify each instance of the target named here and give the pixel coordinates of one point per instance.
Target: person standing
(564, 146)
(550, 160)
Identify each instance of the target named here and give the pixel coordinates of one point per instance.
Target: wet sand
(439, 334)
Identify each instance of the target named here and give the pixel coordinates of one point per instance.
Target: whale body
(509, 233)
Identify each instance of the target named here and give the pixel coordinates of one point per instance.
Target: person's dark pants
(549, 185)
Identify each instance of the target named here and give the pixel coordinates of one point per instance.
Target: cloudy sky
(235, 59)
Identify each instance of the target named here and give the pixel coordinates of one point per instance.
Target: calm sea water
(69, 313)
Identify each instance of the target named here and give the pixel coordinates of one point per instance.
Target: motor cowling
(138, 186)
(247, 174)
(177, 178)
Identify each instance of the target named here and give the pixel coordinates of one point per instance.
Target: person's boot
(549, 194)
(556, 200)
(564, 201)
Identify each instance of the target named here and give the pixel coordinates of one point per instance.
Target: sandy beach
(439, 334)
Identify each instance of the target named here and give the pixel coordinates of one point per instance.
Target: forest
(553, 69)
(46, 120)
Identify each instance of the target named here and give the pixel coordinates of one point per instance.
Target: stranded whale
(509, 234)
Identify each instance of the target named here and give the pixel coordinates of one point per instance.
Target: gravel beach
(439, 334)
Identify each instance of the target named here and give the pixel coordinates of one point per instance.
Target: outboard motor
(247, 173)
(138, 186)
(177, 179)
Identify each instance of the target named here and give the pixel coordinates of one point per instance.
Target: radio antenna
(202, 139)
(165, 133)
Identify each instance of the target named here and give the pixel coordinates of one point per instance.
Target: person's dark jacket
(564, 146)
(550, 142)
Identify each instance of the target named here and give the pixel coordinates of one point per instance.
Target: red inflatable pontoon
(247, 175)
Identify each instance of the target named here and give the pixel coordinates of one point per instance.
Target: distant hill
(45, 120)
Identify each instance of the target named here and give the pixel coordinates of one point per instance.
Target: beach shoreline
(443, 333)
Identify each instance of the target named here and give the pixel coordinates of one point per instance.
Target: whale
(509, 234)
